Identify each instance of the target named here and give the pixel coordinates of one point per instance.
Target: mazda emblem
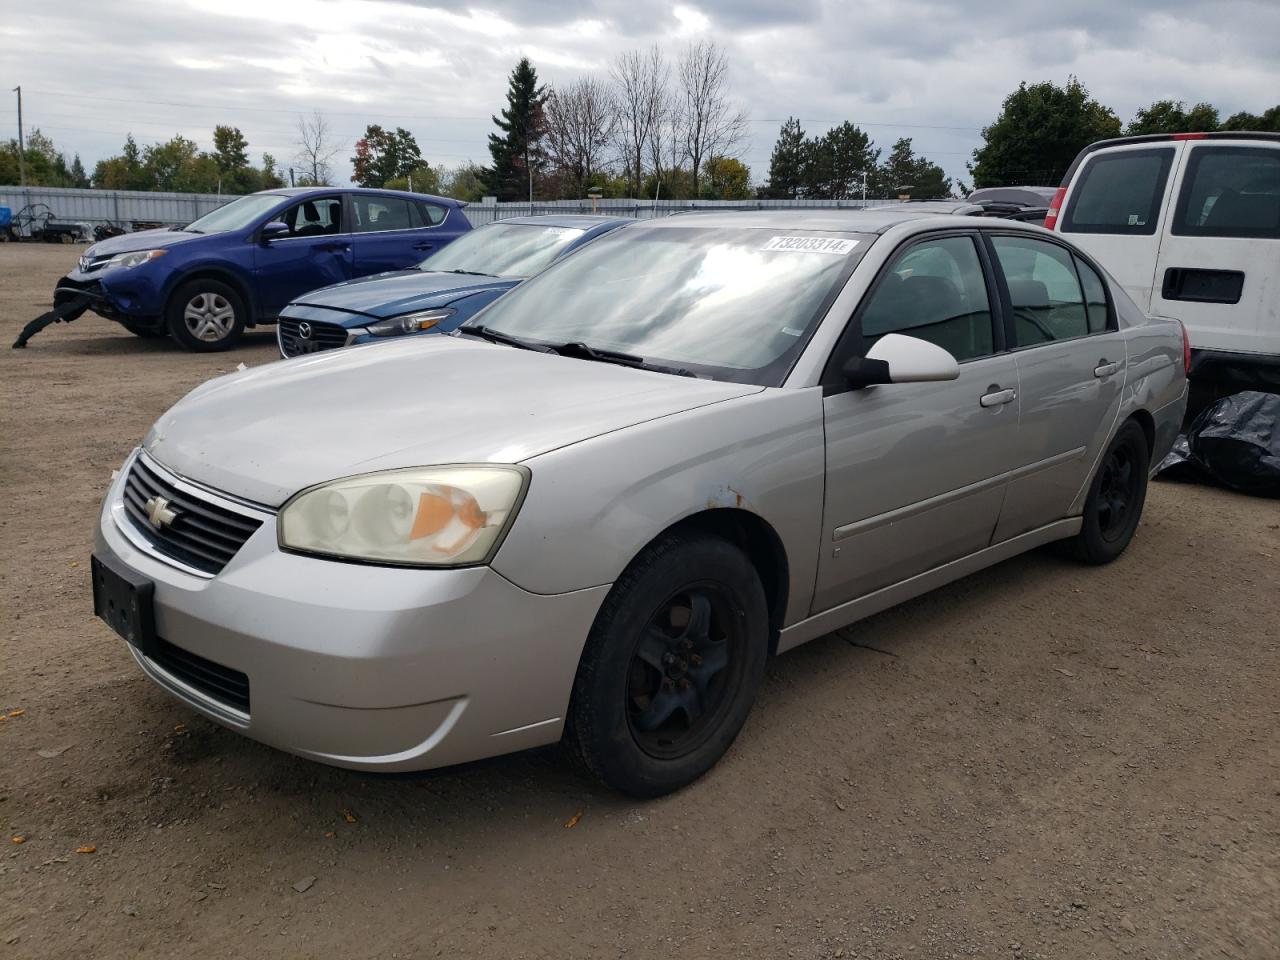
(158, 512)
(304, 330)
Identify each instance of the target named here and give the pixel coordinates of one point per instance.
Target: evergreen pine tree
(786, 165)
(517, 150)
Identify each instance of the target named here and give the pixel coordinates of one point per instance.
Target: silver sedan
(595, 512)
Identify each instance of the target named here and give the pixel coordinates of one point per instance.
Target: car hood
(142, 240)
(391, 294)
(266, 433)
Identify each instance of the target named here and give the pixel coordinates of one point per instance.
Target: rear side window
(1119, 193)
(374, 214)
(434, 212)
(1230, 192)
(1095, 296)
(1044, 291)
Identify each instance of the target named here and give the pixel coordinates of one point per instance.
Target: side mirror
(896, 358)
(274, 230)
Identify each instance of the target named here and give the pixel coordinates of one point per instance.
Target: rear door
(1062, 328)
(315, 253)
(916, 472)
(1219, 265)
(1115, 207)
(389, 233)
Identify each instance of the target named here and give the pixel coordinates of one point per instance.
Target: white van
(1189, 224)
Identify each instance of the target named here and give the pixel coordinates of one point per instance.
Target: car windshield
(503, 250)
(235, 215)
(730, 303)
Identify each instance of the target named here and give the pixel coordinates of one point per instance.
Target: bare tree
(665, 148)
(316, 149)
(580, 122)
(638, 81)
(712, 125)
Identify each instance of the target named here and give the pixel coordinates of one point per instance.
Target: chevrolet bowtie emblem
(158, 512)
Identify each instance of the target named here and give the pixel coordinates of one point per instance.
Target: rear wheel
(671, 666)
(205, 315)
(1116, 497)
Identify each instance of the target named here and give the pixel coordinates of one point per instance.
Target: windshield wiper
(468, 273)
(480, 330)
(582, 351)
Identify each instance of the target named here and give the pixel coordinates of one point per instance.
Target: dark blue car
(239, 265)
(443, 292)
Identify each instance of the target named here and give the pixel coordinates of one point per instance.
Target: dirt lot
(1040, 761)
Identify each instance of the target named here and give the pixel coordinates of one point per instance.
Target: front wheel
(671, 666)
(206, 315)
(1116, 496)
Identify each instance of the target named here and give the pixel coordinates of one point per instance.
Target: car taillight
(1055, 208)
(1188, 136)
(1186, 349)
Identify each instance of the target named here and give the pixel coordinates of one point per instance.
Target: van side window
(1044, 291)
(1119, 193)
(1230, 192)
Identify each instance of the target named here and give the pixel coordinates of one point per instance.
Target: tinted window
(1119, 193)
(374, 214)
(934, 291)
(1095, 296)
(1044, 290)
(434, 212)
(1230, 192)
(314, 218)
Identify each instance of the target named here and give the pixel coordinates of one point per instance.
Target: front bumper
(134, 298)
(361, 666)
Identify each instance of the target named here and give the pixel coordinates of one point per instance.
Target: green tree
(836, 163)
(230, 149)
(465, 182)
(46, 166)
(78, 176)
(383, 155)
(1166, 116)
(902, 168)
(516, 151)
(1040, 129)
(421, 179)
(122, 172)
(786, 165)
(270, 178)
(724, 178)
(1268, 121)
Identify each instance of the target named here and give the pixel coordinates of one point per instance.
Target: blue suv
(444, 292)
(239, 265)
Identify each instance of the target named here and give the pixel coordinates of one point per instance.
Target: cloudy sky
(932, 70)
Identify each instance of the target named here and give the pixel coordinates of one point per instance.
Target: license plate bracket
(124, 600)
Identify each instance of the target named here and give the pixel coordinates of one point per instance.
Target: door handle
(998, 396)
(334, 247)
(1105, 369)
(423, 246)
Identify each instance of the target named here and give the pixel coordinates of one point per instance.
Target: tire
(671, 666)
(146, 333)
(1116, 496)
(206, 315)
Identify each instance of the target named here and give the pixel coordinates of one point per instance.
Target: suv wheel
(206, 315)
(671, 666)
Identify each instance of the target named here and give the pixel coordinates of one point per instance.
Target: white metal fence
(127, 206)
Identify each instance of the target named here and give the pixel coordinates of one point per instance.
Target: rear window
(1119, 193)
(1230, 192)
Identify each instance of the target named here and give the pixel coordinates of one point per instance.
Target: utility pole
(22, 160)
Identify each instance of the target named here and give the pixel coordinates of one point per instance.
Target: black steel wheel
(1116, 497)
(671, 666)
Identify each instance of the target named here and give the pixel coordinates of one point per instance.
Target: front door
(316, 252)
(1071, 369)
(916, 472)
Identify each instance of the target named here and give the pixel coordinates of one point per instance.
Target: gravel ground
(1042, 760)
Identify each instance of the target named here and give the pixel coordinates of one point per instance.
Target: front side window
(236, 215)
(314, 218)
(730, 303)
(374, 214)
(936, 292)
(1119, 193)
(1044, 290)
(503, 250)
(1230, 192)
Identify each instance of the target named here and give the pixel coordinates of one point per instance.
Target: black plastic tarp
(1234, 442)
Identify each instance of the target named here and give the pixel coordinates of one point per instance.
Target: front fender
(592, 506)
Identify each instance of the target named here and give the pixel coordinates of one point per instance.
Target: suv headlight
(422, 516)
(410, 322)
(135, 259)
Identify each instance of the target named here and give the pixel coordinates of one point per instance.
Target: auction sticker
(835, 245)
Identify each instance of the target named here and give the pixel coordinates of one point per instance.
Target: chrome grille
(198, 533)
(320, 336)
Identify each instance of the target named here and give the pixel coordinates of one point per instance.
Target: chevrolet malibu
(597, 510)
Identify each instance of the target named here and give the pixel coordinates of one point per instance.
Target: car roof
(580, 221)
(869, 220)
(305, 191)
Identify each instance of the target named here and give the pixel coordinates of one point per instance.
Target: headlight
(135, 259)
(410, 322)
(422, 516)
